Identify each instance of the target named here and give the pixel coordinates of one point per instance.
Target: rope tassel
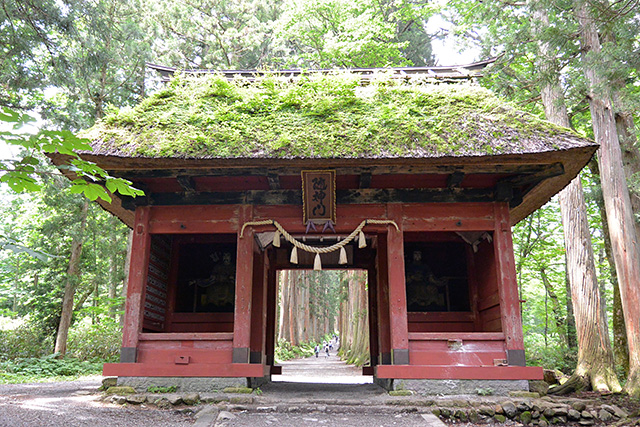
(294, 256)
(343, 256)
(276, 239)
(317, 263)
(362, 241)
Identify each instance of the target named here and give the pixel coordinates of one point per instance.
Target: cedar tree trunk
(73, 275)
(622, 230)
(595, 356)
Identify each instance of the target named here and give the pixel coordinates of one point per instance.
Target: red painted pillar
(258, 309)
(508, 286)
(384, 332)
(244, 283)
(397, 289)
(272, 304)
(136, 287)
(374, 341)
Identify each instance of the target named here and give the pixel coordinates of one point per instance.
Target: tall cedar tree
(624, 239)
(595, 356)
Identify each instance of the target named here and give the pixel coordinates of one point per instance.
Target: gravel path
(329, 420)
(321, 369)
(306, 382)
(75, 403)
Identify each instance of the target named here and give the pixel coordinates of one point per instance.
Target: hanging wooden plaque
(319, 196)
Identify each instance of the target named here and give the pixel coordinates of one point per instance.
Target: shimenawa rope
(323, 249)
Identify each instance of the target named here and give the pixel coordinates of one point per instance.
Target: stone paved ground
(320, 419)
(321, 392)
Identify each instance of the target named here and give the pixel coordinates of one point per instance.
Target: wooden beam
(504, 191)
(294, 197)
(465, 168)
(365, 180)
(187, 183)
(274, 181)
(272, 305)
(382, 299)
(546, 172)
(448, 372)
(465, 336)
(372, 287)
(455, 179)
(236, 370)
(258, 309)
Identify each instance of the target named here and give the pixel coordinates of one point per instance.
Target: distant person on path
(326, 349)
(317, 350)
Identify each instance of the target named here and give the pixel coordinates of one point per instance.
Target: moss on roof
(323, 116)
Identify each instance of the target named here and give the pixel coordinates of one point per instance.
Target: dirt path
(75, 403)
(321, 369)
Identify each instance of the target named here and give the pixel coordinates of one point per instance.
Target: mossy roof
(323, 117)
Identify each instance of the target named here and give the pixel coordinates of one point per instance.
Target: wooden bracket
(187, 183)
(454, 344)
(274, 181)
(182, 360)
(455, 179)
(365, 180)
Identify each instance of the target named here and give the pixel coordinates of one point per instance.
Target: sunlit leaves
(122, 186)
(22, 174)
(346, 34)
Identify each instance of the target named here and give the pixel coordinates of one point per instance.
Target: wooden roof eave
(545, 190)
(443, 164)
(573, 160)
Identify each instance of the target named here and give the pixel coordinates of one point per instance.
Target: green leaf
(20, 182)
(123, 187)
(11, 116)
(88, 169)
(30, 160)
(90, 190)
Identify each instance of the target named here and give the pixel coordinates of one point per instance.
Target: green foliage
(8, 242)
(96, 341)
(323, 304)
(285, 351)
(484, 391)
(347, 34)
(22, 174)
(24, 342)
(25, 353)
(49, 367)
(540, 255)
(46, 222)
(29, 32)
(157, 389)
(215, 34)
(550, 355)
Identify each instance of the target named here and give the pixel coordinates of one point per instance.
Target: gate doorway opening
(322, 326)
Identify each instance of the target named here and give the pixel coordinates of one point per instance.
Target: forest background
(70, 62)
